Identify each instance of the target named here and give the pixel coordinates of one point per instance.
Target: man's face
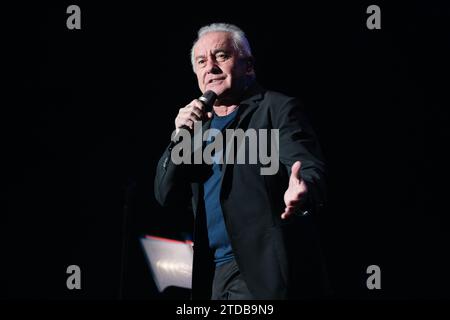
(218, 66)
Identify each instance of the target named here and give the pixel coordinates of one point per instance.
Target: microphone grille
(208, 97)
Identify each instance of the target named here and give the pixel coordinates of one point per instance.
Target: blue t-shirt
(217, 233)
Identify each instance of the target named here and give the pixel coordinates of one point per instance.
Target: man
(254, 236)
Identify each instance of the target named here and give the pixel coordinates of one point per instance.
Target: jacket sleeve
(299, 142)
(172, 183)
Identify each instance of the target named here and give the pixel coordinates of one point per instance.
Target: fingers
(288, 211)
(295, 171)
(295, 194)
(293, 202)
(190, 114)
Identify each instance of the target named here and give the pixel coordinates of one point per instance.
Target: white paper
(170, 261)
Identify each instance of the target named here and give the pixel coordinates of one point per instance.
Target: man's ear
(250, 66)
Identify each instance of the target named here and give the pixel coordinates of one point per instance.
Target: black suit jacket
(278, 258)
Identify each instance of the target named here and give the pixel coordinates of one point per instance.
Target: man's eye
(221, 57)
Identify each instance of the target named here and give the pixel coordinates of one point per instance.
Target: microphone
(207, 99)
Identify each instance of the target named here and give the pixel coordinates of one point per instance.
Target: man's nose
(212, 67)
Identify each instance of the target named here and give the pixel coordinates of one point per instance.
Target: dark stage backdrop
(94, 108)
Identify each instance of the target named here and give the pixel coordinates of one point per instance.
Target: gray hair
(240, 41)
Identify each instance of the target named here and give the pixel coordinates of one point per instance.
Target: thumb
(209, 115)
(295, 171)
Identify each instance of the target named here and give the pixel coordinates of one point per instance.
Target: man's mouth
(215, 80)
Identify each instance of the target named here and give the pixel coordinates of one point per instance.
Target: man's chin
(218, 89)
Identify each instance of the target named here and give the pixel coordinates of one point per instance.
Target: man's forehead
(213, 40)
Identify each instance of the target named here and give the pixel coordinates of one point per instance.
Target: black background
(94, 108)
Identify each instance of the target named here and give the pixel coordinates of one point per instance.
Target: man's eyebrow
(214, 52)
(220, 50)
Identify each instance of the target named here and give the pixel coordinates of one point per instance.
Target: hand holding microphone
(197, 110)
